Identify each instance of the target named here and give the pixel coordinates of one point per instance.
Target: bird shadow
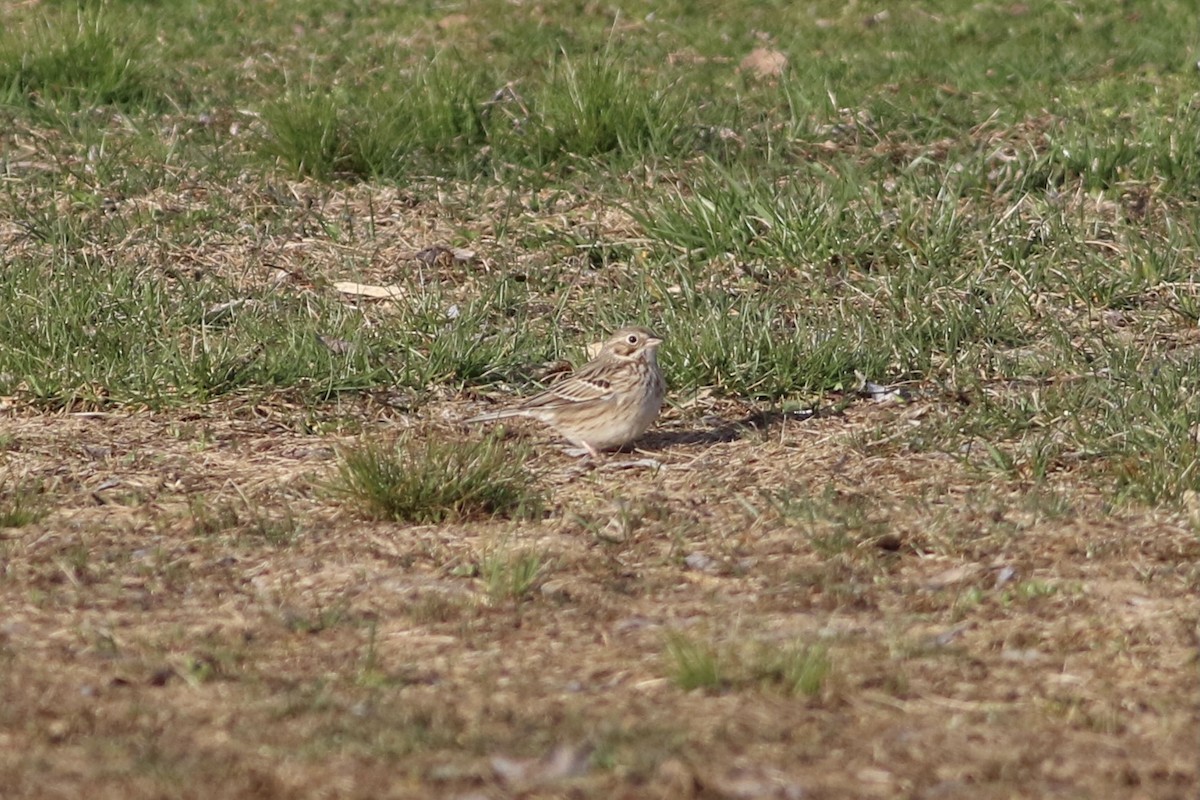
(723, 431)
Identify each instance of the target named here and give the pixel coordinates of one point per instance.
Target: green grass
(436, 480)
(895, 206)
(511, 575)
(21, 503)
(434, 122)
(833, 522)
(795, 669)
(693, 664)
(76, 62)
(450, 117)
(85, 332)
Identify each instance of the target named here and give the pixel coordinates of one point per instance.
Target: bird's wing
(585, 386)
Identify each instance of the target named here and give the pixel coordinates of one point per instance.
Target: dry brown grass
(987, 639)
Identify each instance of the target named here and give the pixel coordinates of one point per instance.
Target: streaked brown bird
(608, 402)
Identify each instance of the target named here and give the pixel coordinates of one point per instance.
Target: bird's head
(632, 343)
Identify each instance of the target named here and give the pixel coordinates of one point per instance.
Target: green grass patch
(597, 106)
(834, 522)
(92, 333)
(432, 122)
(449, 117)
(21, 503)
(1127, 425)
(77, 62)
(511, 575)
(437, 480)
(795, 669)
(693, 664)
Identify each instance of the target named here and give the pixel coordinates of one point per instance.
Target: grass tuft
(449, 118)
(76, 64)
(20, 504)
(306, 135)
(693, 664)
(511, 576)
(796, 669)
(432, 121)
(435, 481)
(243, 518)
(599, 107)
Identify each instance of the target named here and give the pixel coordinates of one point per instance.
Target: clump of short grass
(306, 135)
(435, 480)
(511, 575)
(834, 522)
(597, 107)
(450, 118)
(432, 121)
(796, 669)
(693, 664)
(320, 618)
(244, 518)
(76, 63)
(21, 503)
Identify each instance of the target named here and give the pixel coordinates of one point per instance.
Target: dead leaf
(392, 292)
(339, 346)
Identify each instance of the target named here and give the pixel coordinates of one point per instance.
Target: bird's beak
(653, 341)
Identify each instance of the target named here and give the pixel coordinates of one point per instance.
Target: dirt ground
(197, 616)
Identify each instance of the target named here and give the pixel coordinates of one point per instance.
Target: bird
(608, 402)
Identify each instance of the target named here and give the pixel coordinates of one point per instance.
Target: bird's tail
(494, 415)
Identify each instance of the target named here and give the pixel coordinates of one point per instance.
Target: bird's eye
(632, 338)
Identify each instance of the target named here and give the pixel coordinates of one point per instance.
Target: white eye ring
(632, 338)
